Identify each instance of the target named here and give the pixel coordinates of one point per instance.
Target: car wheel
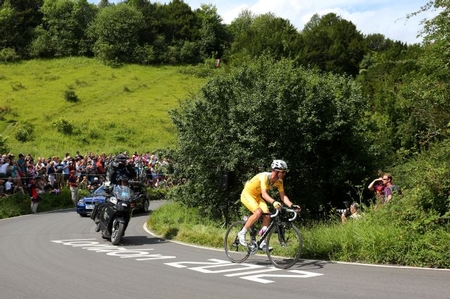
(83, 215)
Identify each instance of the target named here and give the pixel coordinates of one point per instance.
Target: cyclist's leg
(251, 203)
(265, 210)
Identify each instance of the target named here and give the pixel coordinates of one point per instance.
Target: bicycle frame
(283, 241)
(274, 222)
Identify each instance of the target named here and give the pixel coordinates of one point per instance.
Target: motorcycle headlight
(113, 200)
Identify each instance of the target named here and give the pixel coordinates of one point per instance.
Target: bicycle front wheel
(284, 244)
(233, 249)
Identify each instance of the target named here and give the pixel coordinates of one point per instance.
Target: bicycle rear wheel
(233, 249)
(285, 245)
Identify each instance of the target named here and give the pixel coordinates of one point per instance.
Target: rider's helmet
(279, 165)
(120, 160)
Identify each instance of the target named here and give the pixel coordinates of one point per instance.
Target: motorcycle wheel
(117, 230)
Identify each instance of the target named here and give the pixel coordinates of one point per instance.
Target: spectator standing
(34, 195)
(65, 164)
(15, 174)
(73, 185)
(384, 188)
(377, 187)
(2, 180)
(31, 171)
(59, 183)
(41, 168)
(389, 188)
(22, 165)
(81, 167)
(84, 184)
(5, 168)
(72, 165)
(99, 166)
(91, 170)
(51, 173)
(78, 155)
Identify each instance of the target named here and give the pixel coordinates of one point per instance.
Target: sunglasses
(281, 171)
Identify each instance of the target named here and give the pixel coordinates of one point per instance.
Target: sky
(387, 17)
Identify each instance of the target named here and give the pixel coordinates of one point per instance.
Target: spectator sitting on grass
(352, 213)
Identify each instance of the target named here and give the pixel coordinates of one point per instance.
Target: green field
(116, 109)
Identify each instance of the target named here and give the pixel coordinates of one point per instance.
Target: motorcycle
(112, 217)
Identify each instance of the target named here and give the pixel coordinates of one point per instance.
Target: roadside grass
(176, 222)
(95, 107)
(19, 204)
(368, 240)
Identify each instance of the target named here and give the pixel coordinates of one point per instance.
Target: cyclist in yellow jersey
(254, 197)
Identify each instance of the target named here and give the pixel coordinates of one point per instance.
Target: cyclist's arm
(285, 199)
(266, 196)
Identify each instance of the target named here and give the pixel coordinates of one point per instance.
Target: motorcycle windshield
(123, 193)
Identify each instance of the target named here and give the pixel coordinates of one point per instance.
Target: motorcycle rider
(116, 173)
(120, 167)
(121, 180)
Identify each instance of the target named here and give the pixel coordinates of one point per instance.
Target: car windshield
(100, 190)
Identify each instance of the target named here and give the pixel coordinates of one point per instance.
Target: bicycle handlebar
(287, 210)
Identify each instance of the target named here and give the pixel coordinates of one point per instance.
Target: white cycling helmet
(279, 165)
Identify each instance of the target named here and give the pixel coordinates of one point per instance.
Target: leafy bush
(25, 132)
(3, 144)
(63, 126)
(264, 110)
(71, 96)
(8, 55)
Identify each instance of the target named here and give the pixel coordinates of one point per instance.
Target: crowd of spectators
(21, 173)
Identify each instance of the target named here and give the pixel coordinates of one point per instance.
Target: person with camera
(351, 213)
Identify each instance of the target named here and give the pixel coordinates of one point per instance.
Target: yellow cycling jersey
(261, 181)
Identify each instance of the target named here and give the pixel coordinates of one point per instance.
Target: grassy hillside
(115, 109)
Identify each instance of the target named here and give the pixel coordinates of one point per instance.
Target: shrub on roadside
(19, 204)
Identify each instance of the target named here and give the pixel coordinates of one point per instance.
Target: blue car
(86, 204)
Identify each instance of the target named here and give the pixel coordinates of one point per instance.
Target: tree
(117, 32)
(383, 72)
(428, 90)
(264, 34)
(332, 44)
(18, 20)
(264, 110)
(63, 28)
(213, 35)
(178, 22)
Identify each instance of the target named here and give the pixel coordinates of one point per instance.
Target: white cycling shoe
(242, 240)
(263, 246)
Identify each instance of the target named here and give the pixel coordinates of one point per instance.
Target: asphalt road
(59, 255)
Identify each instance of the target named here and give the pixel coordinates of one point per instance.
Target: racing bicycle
(283, 240)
